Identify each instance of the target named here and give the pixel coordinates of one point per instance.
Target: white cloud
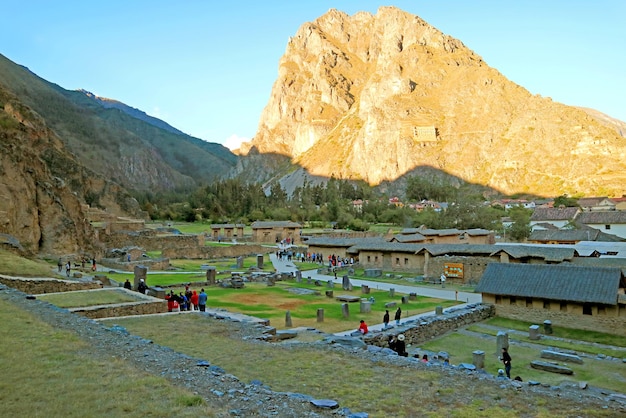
(234, 141)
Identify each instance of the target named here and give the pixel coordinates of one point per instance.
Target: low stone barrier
(122, 309)
(37, 286)
(418, 332)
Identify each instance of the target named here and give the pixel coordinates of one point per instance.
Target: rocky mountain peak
(375, 97)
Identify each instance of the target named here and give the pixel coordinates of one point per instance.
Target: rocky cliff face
(376, 97)
(42, 186)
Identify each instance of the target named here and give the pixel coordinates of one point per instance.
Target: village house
(276, 231)
(619, 202)
(512, 203)
(558, 217)
(593, 204)
(590, 298)
(610, 222)
(570, 236)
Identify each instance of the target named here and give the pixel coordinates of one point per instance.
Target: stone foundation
(36, 286)
(147, 307)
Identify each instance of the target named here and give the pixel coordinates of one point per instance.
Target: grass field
(52, 373)
(383, 390)
(597, 372)
(88, 298)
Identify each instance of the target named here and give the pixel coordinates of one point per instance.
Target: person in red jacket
(363, 327)
(194, 300)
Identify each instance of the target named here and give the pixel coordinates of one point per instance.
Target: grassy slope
(50, 373)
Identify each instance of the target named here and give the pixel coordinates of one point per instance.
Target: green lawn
(52, 373)
(600, 373)
(89, 298)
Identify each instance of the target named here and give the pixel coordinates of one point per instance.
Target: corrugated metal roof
(554, 282)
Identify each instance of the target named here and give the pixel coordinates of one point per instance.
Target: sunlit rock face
(374, 97)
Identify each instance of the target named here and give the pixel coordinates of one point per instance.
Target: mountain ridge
(137, 153)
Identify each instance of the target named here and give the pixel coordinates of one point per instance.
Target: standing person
(68, 269)
(202, 298)
(443, 280)
(194, 300)
(60, 264)
(93, 264)
(506, 360)
(386, 319)
(398, 315)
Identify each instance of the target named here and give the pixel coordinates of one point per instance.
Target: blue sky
(207, 67)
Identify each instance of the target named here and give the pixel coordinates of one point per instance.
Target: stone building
(557, 217)
(590, 298)
(276, 231)
(226, 231)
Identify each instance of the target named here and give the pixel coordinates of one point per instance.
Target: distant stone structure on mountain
(378, 97)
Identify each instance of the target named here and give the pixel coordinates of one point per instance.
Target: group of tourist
(68, 265)
(397, 317)
(189, 300)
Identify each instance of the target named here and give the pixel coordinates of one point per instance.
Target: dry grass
(381, 389)
(14, 265)
(51, 373)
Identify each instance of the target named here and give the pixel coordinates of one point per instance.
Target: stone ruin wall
(419, 332)
(40, 286)
(473, 267)
(200, 253)
(126, 309)
(115, 263)
(150, 240)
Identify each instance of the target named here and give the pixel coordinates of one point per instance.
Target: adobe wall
(427, 328)
(610, 322)
(203, 252)
(38, 286)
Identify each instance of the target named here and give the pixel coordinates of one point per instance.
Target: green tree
(565, 201)
(520, 228)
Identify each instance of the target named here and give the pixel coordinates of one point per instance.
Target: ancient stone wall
(115, 263)
(150, 240)
(199, 253)
(39, 286)
(418, 332)
(611, 324)
(123, 309)
(473, 267)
